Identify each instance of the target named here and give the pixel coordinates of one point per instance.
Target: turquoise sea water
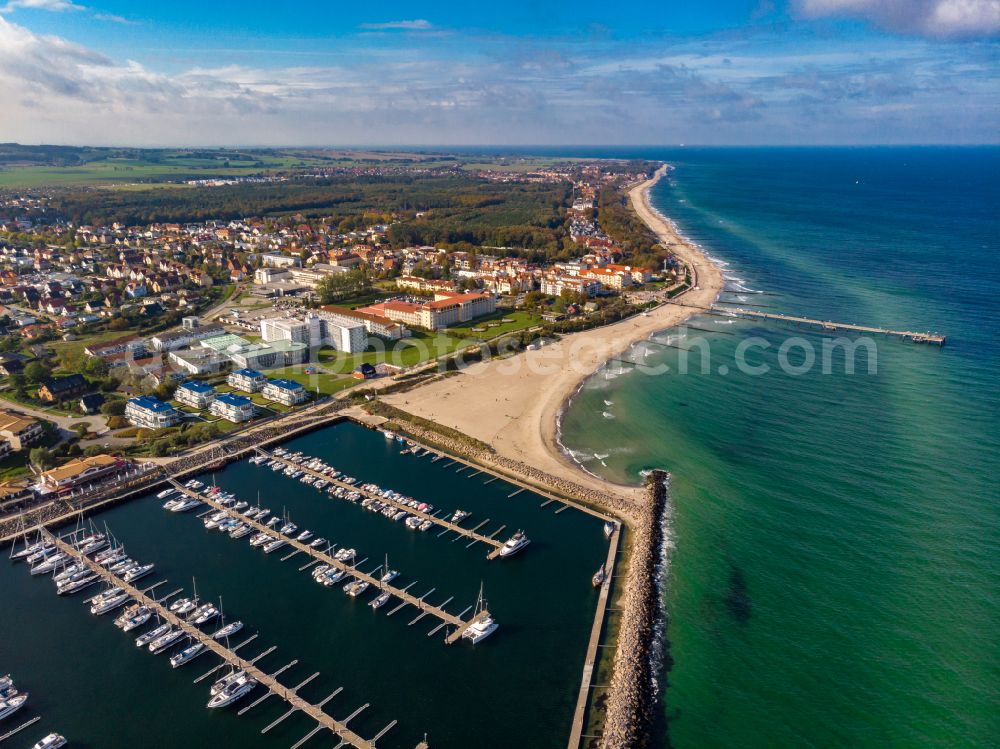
(835, 575)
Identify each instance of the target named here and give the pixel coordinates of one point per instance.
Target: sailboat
(483, 624)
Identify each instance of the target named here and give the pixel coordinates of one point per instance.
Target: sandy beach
(514, 404)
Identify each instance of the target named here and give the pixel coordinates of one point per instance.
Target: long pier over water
(909, 335)
(828, 325)
(339, 728)
(459, 624)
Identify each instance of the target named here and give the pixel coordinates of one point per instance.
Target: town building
(60, 388)
(448, 308)
(235, 408)
(315, 330)
(374, 324)
(247, 380)
(556, 284)
(91, 404)
(85, 470)
(197, 361)
(195, 394)
(287, 392)
(184, 337)
(18, 430)
(147, 412)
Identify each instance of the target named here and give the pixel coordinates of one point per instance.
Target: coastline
(515, 404)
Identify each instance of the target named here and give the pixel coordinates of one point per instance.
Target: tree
(37, 372)
(113, 408)
(338, 286)
(159, 448)
(41, 457)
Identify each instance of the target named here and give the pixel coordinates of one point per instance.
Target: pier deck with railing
(830, 325)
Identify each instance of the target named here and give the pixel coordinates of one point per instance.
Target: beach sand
(514, 404)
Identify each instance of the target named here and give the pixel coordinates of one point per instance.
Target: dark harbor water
(835, 577)
(89, 682)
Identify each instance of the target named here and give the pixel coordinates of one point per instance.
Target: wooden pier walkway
(459, 624)
(447, 524)
(829, 325)
(296, 703)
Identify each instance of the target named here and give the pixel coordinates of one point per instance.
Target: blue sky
(298, 73)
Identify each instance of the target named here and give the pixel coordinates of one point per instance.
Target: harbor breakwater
(633, 696)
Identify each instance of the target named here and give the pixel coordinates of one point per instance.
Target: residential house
(60, 388)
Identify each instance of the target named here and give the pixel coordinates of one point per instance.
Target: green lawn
(327, 383)
(406, 352)
(520, 320)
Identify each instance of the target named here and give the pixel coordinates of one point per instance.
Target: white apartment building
(235, 408)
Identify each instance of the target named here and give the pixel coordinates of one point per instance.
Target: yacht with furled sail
(165, 641)
(388, 575)
(609, 528)
(108, 603)
(147, 637)
(514, 544)
(187, 655)
(483, 625)
(227, 630)
(134, 616)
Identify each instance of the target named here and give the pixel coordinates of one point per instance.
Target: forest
(454, 208)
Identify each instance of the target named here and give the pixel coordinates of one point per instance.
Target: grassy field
(406, 352)
(494, 325)
(172, 167)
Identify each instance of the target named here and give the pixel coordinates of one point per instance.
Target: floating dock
(447, 524)
(460, 625)
(296, 703)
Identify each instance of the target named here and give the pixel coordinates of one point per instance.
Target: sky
(729, 72)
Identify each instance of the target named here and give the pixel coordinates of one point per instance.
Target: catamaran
(482, 628)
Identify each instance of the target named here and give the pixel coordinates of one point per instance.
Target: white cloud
(416, 24)
(57, 6)
(944, 19)
(721, 91)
